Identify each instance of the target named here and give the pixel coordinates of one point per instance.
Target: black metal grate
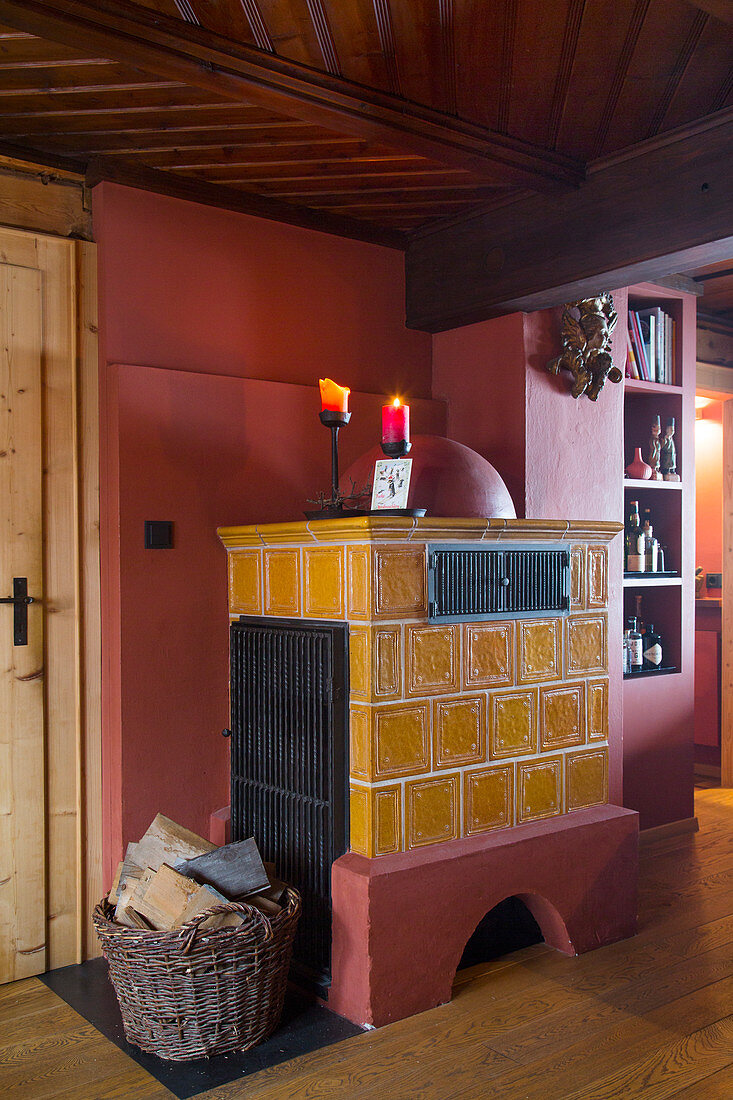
(288, 758)
(476, 583)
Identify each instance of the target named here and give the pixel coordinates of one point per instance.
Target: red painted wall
(477, 371)
(709, 492)
(215, 305)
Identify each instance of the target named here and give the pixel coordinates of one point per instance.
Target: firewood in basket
(129, 893)
(264, 904)
(205, 899)
(234, 870)
(126, 871)
(165, 898)
(166, 842)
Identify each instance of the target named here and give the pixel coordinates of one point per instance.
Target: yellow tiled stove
(455, 729)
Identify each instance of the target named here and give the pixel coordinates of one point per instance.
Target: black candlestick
(397, 448)
(334, 420)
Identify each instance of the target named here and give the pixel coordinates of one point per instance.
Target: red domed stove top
(447, 480)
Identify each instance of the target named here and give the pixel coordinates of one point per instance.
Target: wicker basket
(192, 993)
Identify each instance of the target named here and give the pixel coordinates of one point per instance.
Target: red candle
(395, 422)
(334, 398)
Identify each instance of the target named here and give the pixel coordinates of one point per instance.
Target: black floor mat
(306, 1025)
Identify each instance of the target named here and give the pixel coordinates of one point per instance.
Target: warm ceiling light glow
(701, 402)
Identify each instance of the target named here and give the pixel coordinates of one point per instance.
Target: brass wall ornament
(586, 345)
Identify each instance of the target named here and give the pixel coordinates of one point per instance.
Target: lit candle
(334, 398)
(395, 422)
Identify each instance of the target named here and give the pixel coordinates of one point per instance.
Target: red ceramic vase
(639, 469)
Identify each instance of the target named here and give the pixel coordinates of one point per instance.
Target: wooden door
(22, 741)
(50, 742)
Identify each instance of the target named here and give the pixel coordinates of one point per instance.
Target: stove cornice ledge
(360, 529)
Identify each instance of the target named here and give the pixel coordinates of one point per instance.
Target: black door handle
(20, 600)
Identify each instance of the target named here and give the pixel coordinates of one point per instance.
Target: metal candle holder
(334, 508)
(396, 449)
(334, 419)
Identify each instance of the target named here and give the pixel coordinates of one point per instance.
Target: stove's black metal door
(289, 763)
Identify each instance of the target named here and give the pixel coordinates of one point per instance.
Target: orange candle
(395, 422)
(334, 398)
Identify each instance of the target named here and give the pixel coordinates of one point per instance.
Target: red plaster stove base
(400, 923)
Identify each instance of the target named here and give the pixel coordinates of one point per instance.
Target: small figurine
(655, 449)
(668, 454)
(586, 345)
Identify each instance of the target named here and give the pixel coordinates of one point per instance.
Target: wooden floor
(650, 1017)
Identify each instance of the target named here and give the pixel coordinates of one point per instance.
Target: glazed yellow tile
(358, 582)
(401, 739)
(431, 807)
(586, 644)
(387, 662)
(597, 576)
(359, 821)
(597, 695)
(432, 660)
(562, 716)
(387, 819)
(282, 582)
(488, 799)
(360, 662)
(539, 786)
(539, 643)
(488, 654)
(400, 582)
(323, 574)
(459, 731)
(245, 582)
(360, 741)
(577, 578)
(512, 723)
(586, 778)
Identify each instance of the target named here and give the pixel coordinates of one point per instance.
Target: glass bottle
(635, 646)
(651, 549)
(634, 543)
(651, 649)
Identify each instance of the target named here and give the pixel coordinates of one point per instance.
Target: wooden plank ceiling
(371, 118)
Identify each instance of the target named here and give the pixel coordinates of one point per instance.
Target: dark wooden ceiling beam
(177, 51)
(720, 9)
(660, 207)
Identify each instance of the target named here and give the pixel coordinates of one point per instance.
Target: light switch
(158, 534)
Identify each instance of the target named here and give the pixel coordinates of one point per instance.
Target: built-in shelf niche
(660, 605)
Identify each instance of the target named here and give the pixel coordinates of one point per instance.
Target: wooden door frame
(71, 500)
(719, 380)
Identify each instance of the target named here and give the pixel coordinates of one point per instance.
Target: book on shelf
(638, 345)
(632, 367)
(652, 339)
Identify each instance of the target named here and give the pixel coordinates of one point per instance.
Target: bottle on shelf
(634, 547)
(636, 655)
(651, 549)
(638, 600)
(651, 649)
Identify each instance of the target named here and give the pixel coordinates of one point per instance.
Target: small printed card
(391, 482)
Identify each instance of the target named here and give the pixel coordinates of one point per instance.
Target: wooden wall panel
(89, 832)
(22, 823)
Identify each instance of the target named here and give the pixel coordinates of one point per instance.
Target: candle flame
(396, 402)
